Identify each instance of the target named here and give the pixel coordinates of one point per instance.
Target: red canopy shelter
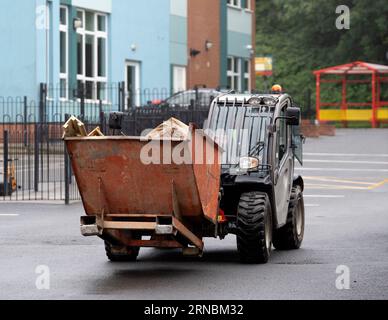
(361, 111)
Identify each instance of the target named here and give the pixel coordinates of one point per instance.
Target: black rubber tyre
(254, 228)
(121, 253)
(290, 236)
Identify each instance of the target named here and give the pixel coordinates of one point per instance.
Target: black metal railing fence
(34, 164)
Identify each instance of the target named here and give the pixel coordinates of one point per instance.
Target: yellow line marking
(378, 185)
(344, 187)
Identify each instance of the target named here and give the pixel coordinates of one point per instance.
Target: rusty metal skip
(164, 205)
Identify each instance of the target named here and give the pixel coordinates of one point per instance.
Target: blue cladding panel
(178, 33)
(17, 54)
(133, 23)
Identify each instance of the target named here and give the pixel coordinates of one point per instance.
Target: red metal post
(318, 98)
(374, 105)
(344, 105)
(378, 92)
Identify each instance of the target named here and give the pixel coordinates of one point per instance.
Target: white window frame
(176, 69)
(232, 74)
(248, 6)
(64, 28)
(96, 34)
(247, 75)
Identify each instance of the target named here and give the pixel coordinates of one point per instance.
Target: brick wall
(204, 24)
(253, 67)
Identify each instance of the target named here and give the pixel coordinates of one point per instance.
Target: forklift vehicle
(248, 189)
(261, 199)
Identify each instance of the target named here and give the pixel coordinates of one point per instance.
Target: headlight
(248, 163)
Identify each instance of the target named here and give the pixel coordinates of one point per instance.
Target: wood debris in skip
(172, 129)
(76, 128)
(96, 133)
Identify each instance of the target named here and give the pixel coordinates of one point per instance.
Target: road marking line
(329, 179)
(334, 187)
(312, 205)
(347, 155)
(8, 215)
(345, 162)
(342, 169)
(324, 196)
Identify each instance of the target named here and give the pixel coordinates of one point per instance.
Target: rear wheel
(254, 228)
(120, 253)
(290, 236)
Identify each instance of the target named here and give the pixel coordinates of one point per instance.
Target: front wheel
(290, 236)
(254, 228)
(119, 253)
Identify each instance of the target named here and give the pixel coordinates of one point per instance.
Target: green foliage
(302, 37)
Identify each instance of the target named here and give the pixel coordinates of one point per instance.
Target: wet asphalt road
(346, 224)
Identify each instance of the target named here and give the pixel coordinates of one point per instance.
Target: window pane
(63, 89)
(89, 90)
(102, 23)
(230, 64)
(230, 84)
(246, 85)
(101, 91)
(89, 61)
(63, 52)
(80, 52)
(236, 67)
(63, 16)
(246, 66)
(101, 57)
(79, 85)
(236, 85)
(89, 21)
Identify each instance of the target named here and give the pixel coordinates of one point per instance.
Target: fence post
(67, 178)
(5, 155)
(81, 94)
(42, 102)
(121, 97)
(38, 138)
(102, 121)
(25, 122)
(67, 171)
(36, 157)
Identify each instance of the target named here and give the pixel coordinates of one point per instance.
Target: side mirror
(293, 116)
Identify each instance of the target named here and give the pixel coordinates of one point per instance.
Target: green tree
(302, 37)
